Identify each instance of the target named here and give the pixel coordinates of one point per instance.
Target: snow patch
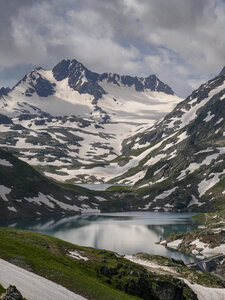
(76, 255)
(5, 163)
(4, 191)
(174, 244)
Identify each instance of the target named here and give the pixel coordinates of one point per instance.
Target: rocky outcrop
(86, 81)
(12, 294)
(214, 265)
(4, 91)
(146, 285)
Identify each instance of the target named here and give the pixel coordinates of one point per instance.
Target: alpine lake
(124, 232)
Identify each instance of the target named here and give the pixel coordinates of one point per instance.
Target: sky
(181, 41)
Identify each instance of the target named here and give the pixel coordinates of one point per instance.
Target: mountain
(180, 162)
(70, 116)
(174, 163)
(26, 193)
(177, 164)
(71, 89)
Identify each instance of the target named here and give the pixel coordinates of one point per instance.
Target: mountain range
(77, 126)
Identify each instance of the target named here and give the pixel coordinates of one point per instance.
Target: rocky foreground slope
(101, 274)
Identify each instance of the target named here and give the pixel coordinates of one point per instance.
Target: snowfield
(204, 293)
(32, 286)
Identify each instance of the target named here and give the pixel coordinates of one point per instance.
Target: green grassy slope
(105, 275)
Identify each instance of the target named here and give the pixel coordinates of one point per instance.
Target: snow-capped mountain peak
(71, 89)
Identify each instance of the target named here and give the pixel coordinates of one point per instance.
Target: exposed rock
(4, 91)
(12, 294)
(214, 265)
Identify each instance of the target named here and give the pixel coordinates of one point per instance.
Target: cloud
(179, 40)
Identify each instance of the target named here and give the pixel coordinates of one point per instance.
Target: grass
(2, 290)
(47, 257)
(105, 275)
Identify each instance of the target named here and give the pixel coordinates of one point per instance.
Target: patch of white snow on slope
(76, 255)
(45, 199)
(148, 263)
(194, 201)
(32, 286)
(133, 179)
(208, 117)
(219, 121)
(208, 293)
(205, 249)
(205, 184)
(165, 194)
(191, 114)
(4, 191)
(5, 163)
(107, 172)
(207, 161)
(174, 244)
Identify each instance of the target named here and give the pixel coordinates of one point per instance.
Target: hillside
(101, 274)
(177, 164)
(26, 193)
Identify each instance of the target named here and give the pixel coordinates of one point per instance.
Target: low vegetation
(103, 275)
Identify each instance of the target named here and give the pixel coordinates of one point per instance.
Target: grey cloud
(181, 41)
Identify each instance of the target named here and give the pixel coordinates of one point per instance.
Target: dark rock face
(75, 72)
(5, 120)
(162, 290)
(38, 84)
(4, 91)
(147, 285)
(41, 86)
(12, 294)
(153, 83)
(44, 88)
(214, 265)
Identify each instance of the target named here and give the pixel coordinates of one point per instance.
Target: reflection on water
(96, 187)
(125, 233)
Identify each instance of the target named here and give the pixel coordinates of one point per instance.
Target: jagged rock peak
(78, 74)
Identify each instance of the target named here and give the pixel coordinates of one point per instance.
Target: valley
(157, 157)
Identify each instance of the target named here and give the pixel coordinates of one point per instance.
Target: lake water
(124, 233)
(98, 187)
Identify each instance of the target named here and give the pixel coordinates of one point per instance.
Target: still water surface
(124, 233)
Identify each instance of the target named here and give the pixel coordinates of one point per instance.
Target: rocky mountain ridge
(72, 116)
(176, 163)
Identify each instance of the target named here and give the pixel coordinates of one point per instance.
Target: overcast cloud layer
(182, 41)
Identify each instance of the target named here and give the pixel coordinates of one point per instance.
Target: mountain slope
(26, 193)
(71, 116)
(92, 273)
(185, 169)
(71, 89)
(179, 163)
